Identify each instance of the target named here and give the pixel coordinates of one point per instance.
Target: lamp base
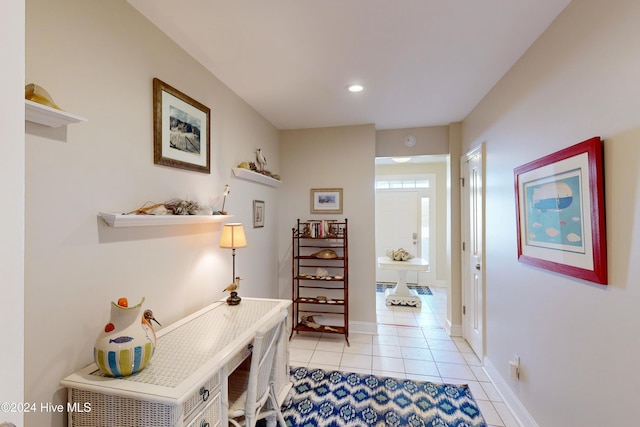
(234, 299)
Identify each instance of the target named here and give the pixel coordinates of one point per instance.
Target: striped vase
(126, 343)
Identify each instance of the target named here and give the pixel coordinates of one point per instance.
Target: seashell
(325, 254)
(36, 93)
(399, 255)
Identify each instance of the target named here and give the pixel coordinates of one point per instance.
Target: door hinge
(464, 246)
(462, 182)
(464, 310)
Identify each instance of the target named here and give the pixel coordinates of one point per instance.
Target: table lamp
(233, 237)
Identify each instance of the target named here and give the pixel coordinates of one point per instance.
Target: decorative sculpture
(127, 342)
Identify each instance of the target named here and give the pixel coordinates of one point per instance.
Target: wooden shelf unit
(325, 298)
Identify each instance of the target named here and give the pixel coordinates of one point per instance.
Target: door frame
(466, 237)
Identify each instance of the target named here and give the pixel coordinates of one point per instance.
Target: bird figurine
(225, 193)
(147, 317)
(233, 299)
(262, 160)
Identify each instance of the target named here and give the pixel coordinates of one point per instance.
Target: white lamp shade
(233, 236)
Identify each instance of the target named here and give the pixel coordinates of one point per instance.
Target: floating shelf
(120, 220)
(47, 116)
(255, 176)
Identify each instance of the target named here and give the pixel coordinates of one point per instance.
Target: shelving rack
(320, 277)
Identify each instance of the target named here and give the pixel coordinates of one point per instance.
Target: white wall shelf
(255, 176)
(120, 220)
(47, 116)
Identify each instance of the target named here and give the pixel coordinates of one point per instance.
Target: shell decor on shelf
(325, 254)
(399, 254)
(36, 93)
(127, 342)
(321, 272)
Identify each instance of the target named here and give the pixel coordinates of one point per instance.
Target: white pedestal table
(401, 294)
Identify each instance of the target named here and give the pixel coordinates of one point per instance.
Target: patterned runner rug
(421, 290)
(332, 398)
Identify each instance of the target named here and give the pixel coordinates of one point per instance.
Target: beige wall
(430, 140)
(12, 218)
(341, 157)
(98, 59)
(577, 341)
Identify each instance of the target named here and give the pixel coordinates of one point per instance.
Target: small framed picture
(258, 213)
(326, 200)
(180, 130)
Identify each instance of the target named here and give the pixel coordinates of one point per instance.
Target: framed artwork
(258, 213)
(326, 200)
(180, 130)
(560, 212)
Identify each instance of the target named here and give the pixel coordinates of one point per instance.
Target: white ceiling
(422, 62)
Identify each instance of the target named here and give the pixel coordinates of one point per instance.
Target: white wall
(98, 59)
(577, 341)
(341, 157)
(12, 218)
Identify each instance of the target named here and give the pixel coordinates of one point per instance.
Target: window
(394, 183)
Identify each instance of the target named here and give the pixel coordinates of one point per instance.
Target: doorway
(411, 214)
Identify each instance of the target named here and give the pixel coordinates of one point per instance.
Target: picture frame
(258, 213)
(181, 130)
(326, 200)
(560, 212)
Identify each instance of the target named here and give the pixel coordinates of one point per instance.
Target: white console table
(186, 381)
(401, 294)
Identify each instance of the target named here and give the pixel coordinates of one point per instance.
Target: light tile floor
(411, 343)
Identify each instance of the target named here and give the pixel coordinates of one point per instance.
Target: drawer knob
(205, 395)
(204, 423)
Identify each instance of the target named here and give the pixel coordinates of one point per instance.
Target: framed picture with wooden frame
(560, 212)
(180, 130)
(326, 200)
(258, 213)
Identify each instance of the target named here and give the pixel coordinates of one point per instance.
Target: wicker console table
(185, 384)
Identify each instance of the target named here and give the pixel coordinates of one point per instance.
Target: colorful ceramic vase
(127, 342)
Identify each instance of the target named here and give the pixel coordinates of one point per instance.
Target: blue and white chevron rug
(332, 398)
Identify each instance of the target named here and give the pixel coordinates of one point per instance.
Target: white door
(396, 227)
(472, 253)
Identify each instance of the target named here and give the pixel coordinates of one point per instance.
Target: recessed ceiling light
(355, 88)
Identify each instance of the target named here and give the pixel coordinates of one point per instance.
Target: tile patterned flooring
(411, 343)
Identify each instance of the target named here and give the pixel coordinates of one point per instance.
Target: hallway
(411, 343)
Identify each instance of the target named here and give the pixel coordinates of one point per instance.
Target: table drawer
(210, 415)
(202, 396)
(239, 357)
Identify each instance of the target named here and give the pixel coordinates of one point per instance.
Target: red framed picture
(560, 212)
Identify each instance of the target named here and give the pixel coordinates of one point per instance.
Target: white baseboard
(453, 330)
(363, 327)
(441, 284)
(520, 413)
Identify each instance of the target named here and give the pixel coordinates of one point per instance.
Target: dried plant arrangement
(172, 207)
